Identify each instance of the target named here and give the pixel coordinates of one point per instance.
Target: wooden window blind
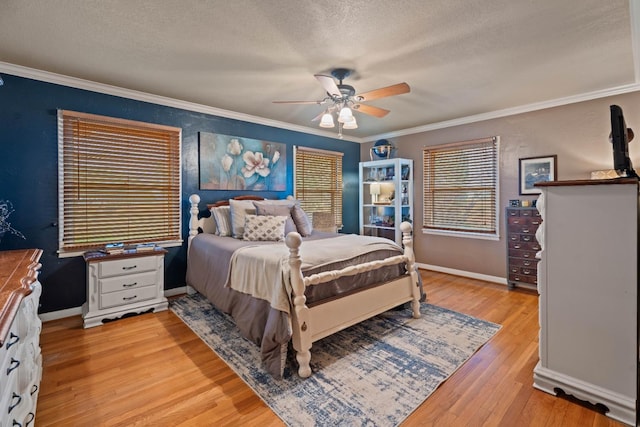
(460, 187)
(119, 181)
(318, 181)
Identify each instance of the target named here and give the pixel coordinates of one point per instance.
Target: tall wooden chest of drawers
(522, 246)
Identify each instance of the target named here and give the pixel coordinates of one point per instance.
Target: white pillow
(222, 217)
(239, 210)
(264, 227)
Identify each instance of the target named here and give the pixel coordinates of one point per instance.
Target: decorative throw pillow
(264, 227)
(239, 210)
(289, 201)
(302, 221)
(277, 209)
(222, 217)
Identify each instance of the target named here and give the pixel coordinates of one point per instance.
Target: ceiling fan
(342, 99)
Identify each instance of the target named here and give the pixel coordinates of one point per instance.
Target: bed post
(300, 315)
(407, 241)
(194, 222)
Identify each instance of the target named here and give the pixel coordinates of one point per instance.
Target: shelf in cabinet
(383, 227)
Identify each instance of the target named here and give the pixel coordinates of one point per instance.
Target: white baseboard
(175, 291)
(61, 314)
(77, 311)
(469, 274)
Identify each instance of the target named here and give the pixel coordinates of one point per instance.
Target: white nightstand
(123, 284)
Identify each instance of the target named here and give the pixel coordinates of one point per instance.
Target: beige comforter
(263, 271)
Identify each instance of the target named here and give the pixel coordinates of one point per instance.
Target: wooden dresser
(522, 246)
(20, 357)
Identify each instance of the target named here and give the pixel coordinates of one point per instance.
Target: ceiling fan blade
(329, 84)
(299, 102)
(397, 89)
(318, 117)
(371, 110)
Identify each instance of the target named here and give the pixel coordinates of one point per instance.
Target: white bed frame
(311, 324)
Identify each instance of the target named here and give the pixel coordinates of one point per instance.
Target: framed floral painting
(234, 163)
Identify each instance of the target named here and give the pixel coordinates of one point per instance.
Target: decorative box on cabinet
(522, 246)
(588, 285)
(123, 284)
(20, 357)
(386, 197)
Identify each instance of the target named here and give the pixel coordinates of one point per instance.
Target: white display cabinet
(386, 197)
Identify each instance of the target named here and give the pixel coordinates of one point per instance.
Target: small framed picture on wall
(536, 169)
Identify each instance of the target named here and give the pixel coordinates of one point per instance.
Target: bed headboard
(207, 224)
(226, 201)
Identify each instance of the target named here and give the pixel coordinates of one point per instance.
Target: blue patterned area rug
(375, 373)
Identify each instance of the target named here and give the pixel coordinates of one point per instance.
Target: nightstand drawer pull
(130, 267)
(129, 285)
(13, 338)
(129, 298)
(13, 365)
(17, 398)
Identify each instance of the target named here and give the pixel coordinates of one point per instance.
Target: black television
(620, 138)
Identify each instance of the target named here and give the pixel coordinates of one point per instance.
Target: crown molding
(77, 83)
(510, 111)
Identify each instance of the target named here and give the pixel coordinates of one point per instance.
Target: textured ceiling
(461, 58)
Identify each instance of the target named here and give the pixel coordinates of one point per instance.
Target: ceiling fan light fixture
(345, 115)
(351, 124)
(326, 121)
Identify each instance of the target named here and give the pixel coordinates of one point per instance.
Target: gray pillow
(277, 209)
(302, 221)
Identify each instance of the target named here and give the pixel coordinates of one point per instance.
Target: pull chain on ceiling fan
(343, 100)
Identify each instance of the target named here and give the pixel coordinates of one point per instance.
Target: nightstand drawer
(127, 266)
(130, 281)
(130, 296)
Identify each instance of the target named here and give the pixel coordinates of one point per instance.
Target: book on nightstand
(114, 248)
(146, 247)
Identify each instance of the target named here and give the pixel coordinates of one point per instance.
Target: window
(118, 181)
(460, 188)
(318, 181)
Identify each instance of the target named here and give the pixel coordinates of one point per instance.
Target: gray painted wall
(577, 134)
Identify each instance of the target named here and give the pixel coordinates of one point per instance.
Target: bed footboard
(312, 324)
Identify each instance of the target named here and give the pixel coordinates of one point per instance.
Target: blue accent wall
(29, 172)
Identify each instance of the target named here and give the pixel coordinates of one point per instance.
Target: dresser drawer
(525, 245)
(130, 296)
(530, 213)
(126, 266)
(523, 278)
(515, 253)
(130, 281)
(523, 262)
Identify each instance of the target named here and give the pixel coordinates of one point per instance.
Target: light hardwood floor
(151, 370)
